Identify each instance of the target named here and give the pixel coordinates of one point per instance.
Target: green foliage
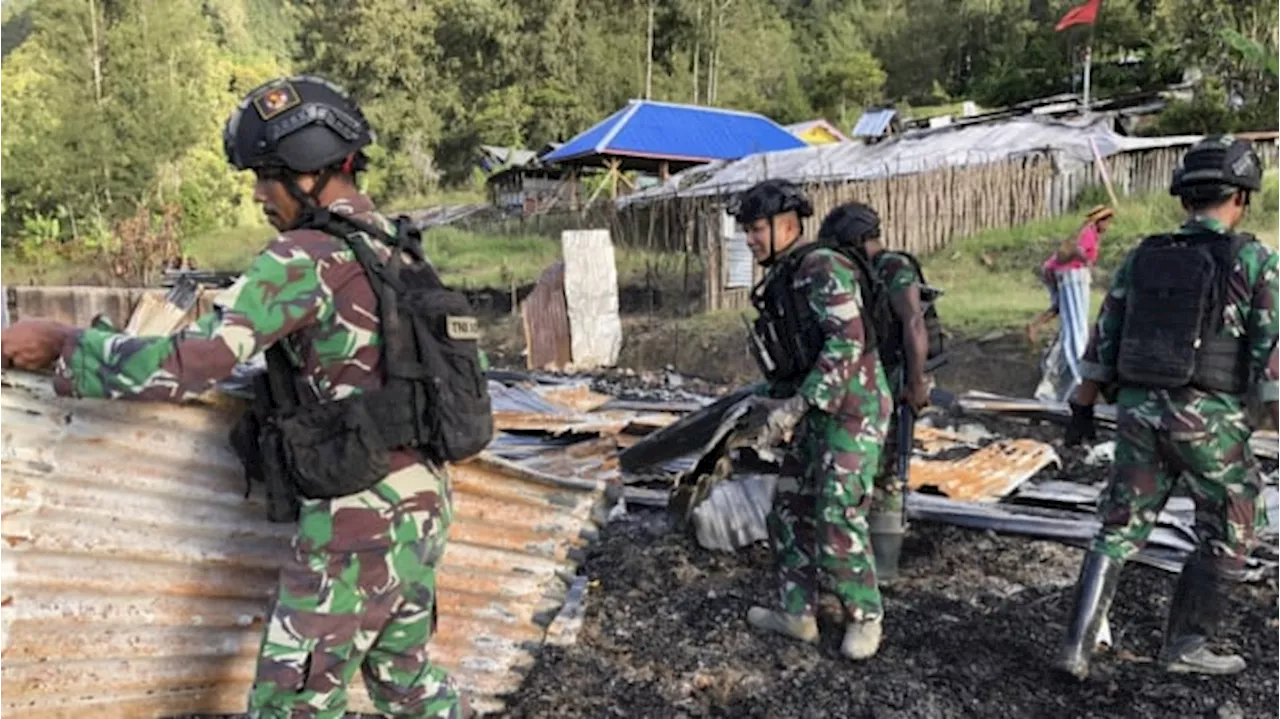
(115, 103)
(1207, 112)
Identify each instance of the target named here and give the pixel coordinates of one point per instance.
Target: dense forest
(115, 105)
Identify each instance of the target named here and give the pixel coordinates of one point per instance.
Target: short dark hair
(1197, 198)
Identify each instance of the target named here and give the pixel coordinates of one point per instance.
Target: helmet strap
(309, 202)
(773, 248)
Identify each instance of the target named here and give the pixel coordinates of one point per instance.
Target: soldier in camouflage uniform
(904, 354)
(836, 400)
(359, 589)
(1187, 330)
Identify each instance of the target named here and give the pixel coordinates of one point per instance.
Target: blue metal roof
(873, 123)
(681, 133)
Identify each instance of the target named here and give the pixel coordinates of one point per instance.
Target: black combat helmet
(769, 199)
(297, 124)
(1218, 165)
(850, 225)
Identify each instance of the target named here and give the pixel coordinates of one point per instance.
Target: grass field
(988, 277)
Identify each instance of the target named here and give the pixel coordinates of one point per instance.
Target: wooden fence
(922, 212)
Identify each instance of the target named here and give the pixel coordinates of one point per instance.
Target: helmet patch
(275, 100)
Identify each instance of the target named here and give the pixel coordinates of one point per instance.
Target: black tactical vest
(892, 351)
(1173, 333)
(434, 399)
(786, 337)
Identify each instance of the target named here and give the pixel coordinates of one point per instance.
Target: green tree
(845, 76)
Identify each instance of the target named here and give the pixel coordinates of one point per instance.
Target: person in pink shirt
(1082, 253)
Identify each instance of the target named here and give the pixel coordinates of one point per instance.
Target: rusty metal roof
(987, 474)
(136, 575)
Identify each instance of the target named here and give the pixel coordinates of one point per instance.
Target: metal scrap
(987, 474)
(137, 576)
(734, 514)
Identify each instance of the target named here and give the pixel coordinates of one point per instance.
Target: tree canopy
(112, 105)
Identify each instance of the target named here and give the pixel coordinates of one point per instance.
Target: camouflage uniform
(897, 274)
(1203, 436)
(359, 590)
(819, 521)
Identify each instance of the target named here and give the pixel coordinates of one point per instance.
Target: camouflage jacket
(305, 290)
(1249, 313)
(897, 274)
(895, 271)
(846, 380)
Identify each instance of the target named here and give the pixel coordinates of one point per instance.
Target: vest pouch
(1167, 307)
(457, 411)
(332, 449)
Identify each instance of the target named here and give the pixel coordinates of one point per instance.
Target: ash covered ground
(970, 629)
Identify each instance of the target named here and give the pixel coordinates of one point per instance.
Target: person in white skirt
(1066, 273)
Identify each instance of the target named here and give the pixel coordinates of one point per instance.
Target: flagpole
(1088, 66)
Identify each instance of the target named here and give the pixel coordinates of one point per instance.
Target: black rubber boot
(1094, 590)
(887, 530)
(1194, 616)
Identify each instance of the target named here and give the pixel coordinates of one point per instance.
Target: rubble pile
(998, 510)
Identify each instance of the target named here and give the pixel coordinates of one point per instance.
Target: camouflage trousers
(819, 521)
(1203, 442)
(887, 488)
(359, 592)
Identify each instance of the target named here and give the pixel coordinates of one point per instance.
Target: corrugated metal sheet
(546, 322)
(915, 152)
(663, 130)
(873, 123)
(77, 306)
(136, 576)
(987, 474)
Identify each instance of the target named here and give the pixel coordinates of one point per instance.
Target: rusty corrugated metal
(577, 397)
(136, 576)
(987, 474)
(546, 322)
(77, 306)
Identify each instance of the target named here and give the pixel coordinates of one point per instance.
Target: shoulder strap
(282, 380)
(915, 265)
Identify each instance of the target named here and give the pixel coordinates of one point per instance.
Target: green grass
(471, 259)
(229, 249)
(466, 259)
(989, 277)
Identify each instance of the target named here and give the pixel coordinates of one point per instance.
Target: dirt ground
(970, 629)
(716, 352)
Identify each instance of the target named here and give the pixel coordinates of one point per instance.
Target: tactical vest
(434, 399)
(1173, 324)
(786, 338)
(892, 349)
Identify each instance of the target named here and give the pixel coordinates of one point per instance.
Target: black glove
(1081, 426)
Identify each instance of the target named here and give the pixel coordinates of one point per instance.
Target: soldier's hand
(784, 415)
(33, 344)
(1081, 426)
(917, 394)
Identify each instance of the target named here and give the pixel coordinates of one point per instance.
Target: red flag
(1080, 15)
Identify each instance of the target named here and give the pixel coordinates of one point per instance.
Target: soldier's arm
(904, 298)
(1099, 362)
(279, 294)
(832, 290)
(1263, 325)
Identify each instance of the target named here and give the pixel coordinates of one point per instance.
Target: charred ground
(970, 629)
